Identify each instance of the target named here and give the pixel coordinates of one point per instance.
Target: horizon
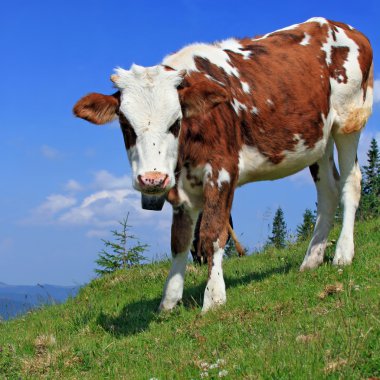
(66, 183)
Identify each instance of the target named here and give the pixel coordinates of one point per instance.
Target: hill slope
(278, 323)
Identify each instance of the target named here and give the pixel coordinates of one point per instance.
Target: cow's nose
(153, 181)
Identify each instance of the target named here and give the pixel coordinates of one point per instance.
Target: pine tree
(120, 257)
(371, 172)
(370, 201)
(278, 230)
(305, 229)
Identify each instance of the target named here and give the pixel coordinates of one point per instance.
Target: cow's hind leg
(350, 181)
(326, 179)
(182, 234)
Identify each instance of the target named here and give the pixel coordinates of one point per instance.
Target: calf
(212, 117)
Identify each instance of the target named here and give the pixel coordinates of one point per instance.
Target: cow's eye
(174, 129)
(128, 132)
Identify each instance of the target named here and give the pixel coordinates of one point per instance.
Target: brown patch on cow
(98, 108)
(314, 170)
(182, 231)
(201, 97)
(128, 132)
(339, 56)
(356, 120)
(174, 129)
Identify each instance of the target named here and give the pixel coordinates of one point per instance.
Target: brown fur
(98, 108)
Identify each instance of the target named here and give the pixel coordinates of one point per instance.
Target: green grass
(278, 323)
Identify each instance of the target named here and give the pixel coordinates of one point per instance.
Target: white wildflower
(223, 373)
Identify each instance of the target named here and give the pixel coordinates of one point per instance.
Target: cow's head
(150, 109)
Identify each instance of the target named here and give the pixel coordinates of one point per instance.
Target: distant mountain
(18, 299)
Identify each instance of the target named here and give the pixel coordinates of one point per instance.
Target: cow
(212, 117)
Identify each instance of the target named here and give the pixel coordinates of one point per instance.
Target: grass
(278, 324)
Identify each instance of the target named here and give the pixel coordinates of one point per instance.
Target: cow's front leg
(182, 234)
(213, 237)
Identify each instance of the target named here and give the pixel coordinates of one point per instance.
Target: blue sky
(65, 183)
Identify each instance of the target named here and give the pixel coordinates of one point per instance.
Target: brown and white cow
(212, 117)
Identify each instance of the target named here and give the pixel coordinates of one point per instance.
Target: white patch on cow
(306, 40)
(270, 102)
(184, 58)
(234, 46)
(208, 175)
(174, 284)
(238, 106)
(223, 176)
(346, 97)
(245, 87)
(149, 100)
(320, 20)
(215, 293)
(255, 110)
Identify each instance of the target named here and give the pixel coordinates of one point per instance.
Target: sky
(65, 183)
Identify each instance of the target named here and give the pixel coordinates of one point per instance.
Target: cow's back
(287, 90)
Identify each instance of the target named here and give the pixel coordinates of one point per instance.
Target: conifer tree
(371, 172)
(116, 254)
(370, 201)
(305, 229)
(278, 230)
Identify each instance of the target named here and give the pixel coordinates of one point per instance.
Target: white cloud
(49, 152)
(105, 180)
(376, 91)
(110, 200)
(55, 203)
(72, 185)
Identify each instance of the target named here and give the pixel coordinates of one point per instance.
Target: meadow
(278, 323)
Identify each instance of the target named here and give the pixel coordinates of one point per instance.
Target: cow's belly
(254, 166)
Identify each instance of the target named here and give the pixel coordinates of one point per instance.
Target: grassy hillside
(278, 324)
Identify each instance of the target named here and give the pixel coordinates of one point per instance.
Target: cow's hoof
(167, 306)
(214, 305)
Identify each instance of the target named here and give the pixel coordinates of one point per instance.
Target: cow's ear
(98, 108)
(201, 97)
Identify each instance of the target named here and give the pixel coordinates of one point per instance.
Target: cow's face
(149, 107)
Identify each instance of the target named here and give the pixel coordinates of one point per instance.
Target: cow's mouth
(152, 202)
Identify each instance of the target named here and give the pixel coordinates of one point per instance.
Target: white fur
(320, 20)
(149, 100)
(234, 46)
(174, 284)
(237, 106)
(215, 293)
(255, 110)
(223, 176)
(306, 40)
(245, 87)
(328, 193)
(350, 181)
(184, 59)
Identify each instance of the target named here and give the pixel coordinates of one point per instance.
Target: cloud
(55, 203)
(103, 201)
(376, 91)
(49, 152)
(72, 185)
